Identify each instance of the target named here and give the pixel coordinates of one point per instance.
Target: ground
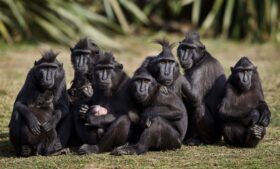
(15, 61)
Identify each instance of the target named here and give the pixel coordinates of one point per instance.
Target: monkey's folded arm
(164, 112)
(31, 119)
(23, 110)
(99, 121)
(191, 93)
(265, 114)
(230, 111)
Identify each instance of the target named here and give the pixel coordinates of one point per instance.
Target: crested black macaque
(111, 92)
(83, 56)
(80, 94)
(165, 69)
(163, 117)
(40, 116)
(243, 110)
(207, 79)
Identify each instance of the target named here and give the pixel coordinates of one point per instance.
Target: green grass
(16, 61)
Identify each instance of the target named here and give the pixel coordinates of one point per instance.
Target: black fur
(83, 57)
(112, 93)
(41, 110)
(207, 79)
(163, 117)
(243, 111)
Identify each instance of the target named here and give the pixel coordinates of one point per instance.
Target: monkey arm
(191, 94)
(265, 114)
(99, 121)
(228, 110)
(164, 112)
(23, 111)
(133, 116)
(32, 121)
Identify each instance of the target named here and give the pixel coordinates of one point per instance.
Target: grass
(16, 61)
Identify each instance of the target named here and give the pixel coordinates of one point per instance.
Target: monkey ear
(231, 69)
(120, 66)
(35, 63)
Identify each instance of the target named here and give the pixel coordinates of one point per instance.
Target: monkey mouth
(140, 98)
(81, 69)
(186, 65)
(47, 85)
(104, 84)
(245, 87)
(166, 82)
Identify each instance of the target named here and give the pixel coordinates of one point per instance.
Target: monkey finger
(47, 126)
(84, 106)
(148, 123)
(35, 130)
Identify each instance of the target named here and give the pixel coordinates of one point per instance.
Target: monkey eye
(146, 81)
(163, 62)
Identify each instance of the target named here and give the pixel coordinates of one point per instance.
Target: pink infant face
(98, 110)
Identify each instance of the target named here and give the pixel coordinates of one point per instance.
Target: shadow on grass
(6, 148)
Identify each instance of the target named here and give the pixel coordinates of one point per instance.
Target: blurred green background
(65, 21)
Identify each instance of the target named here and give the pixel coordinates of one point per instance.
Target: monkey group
(158, 108)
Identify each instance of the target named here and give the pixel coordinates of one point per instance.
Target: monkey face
(188, 56)
(166, 69)
(143, 88)
(47, 75)
(242, 74)
(243, 79)
(104, 76)
(81, 62)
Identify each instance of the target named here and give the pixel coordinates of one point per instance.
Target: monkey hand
(34, 125)
(148, 119)
(264, 119)
(49, 125)
(83, 110)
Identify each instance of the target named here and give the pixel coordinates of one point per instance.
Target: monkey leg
(160, 135)
(234, 134)
(15, 132)
(115, 135)
(26, 151)
(206, 125)
(63, 129)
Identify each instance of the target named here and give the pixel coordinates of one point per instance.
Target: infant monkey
(97, 116)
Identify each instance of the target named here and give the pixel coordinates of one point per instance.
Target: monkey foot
(61, 152)
(25, 151)
(124, 150)
(88, 149)
(194, 142)
(257, 131)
